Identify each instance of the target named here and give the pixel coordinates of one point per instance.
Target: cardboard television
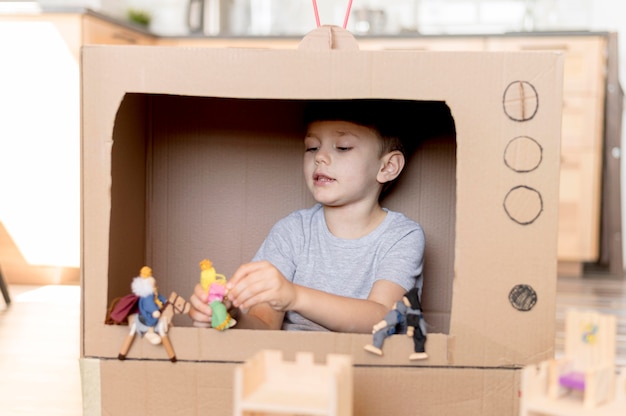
(194, 153)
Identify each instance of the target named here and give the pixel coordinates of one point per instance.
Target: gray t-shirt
(306, 253)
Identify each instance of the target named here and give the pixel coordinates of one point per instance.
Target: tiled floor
(39, 341)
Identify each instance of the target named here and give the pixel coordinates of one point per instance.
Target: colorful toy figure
(147, 313)
(215, 285)
(150, 304)
(406, 315)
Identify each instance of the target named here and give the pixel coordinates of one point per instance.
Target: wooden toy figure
(150, 304)
(175, 305)
(215, 285)
(405, 315)
(147, 313)
(416, 325)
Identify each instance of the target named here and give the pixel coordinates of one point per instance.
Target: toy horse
(175, 305)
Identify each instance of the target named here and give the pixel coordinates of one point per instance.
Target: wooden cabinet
(424, 44)
(391, 43)
(585, 57)
(101, 32)
(216, 42)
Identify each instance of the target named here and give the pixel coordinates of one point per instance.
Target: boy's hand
(261, 282)
(200, 311)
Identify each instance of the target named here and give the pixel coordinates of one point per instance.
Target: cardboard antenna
(345, 19)
(328, 37)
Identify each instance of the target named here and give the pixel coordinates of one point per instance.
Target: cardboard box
(195, 153)
(200, 388)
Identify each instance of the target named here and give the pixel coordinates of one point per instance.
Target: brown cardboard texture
(196, 153)
(189, 388)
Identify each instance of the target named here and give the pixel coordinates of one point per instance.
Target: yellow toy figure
(215, 285)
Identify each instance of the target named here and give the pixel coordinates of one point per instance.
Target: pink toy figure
(215, 285)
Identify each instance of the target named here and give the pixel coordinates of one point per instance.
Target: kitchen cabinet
(424, 44)
(102, 32)
(219, 42)
(389, 43)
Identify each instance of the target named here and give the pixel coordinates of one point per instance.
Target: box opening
(207, 177)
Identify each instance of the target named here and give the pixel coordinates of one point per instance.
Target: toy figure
(215, 284)
(405, 315)
(416, 326)
(147, 313)
(150, 304)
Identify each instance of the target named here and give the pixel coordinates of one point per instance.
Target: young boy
(342, 264)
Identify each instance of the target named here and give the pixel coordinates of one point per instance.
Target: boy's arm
(260, 284)
(342, 314)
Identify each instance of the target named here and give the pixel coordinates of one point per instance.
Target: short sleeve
(403, 262)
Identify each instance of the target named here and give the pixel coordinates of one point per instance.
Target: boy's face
(341, 162)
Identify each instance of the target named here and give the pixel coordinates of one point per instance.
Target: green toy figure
(215, 284)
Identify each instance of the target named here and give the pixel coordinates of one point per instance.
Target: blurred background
(295, 17)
